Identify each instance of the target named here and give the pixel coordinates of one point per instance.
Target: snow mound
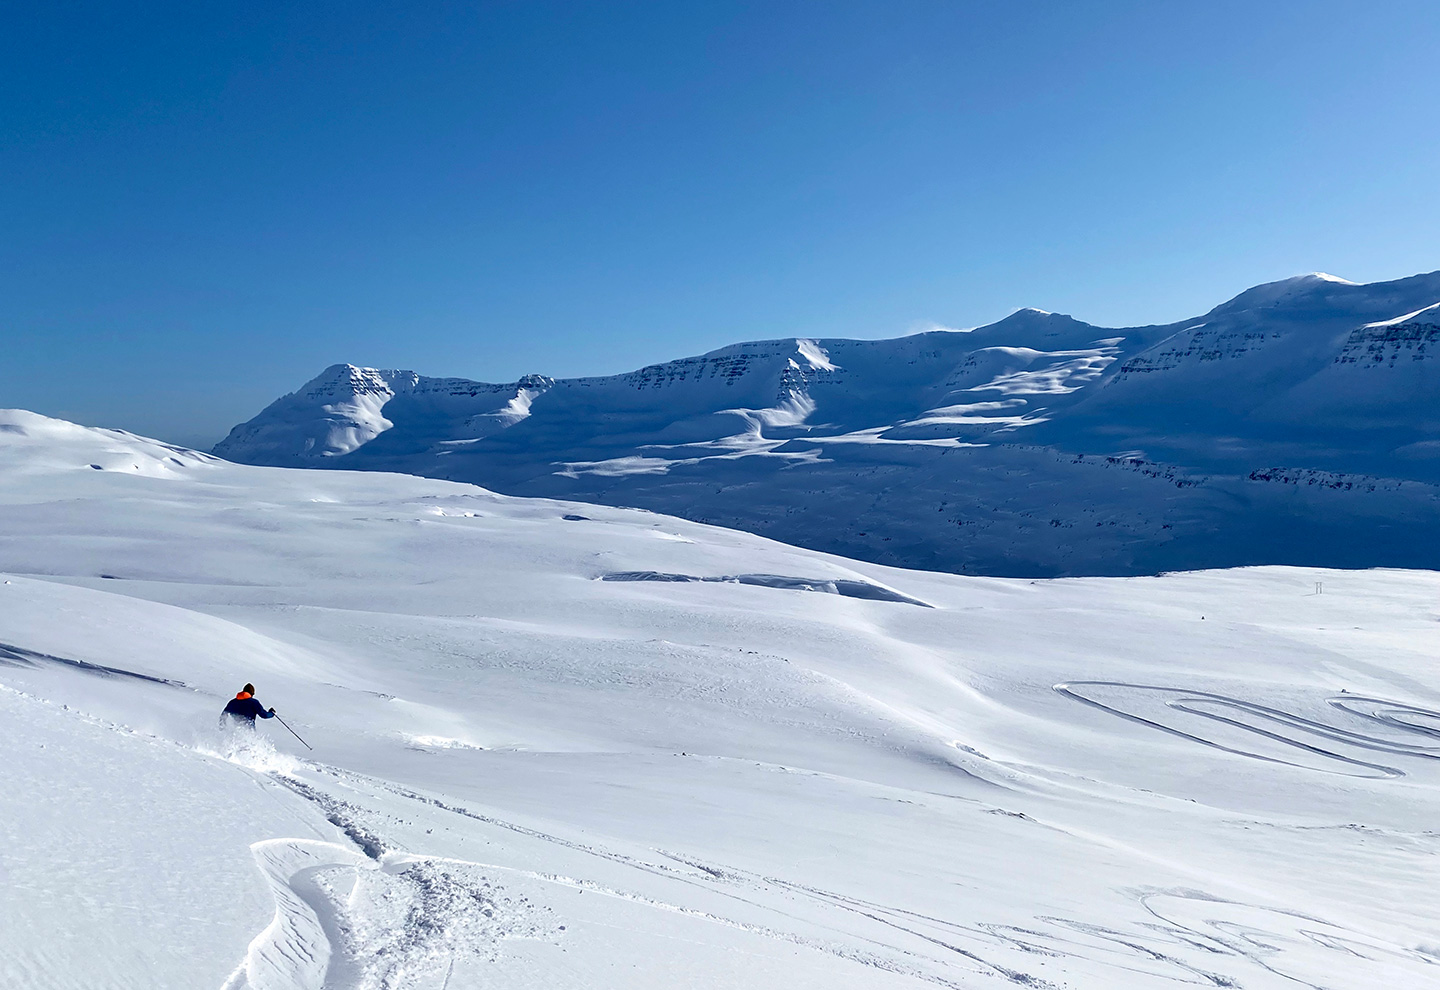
(43, 442)
(838, 586)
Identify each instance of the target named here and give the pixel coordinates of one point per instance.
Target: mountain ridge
(824, 441)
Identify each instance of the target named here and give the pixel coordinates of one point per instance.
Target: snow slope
(1039, 445)
(543, 759)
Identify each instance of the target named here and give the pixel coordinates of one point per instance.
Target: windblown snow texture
(1297, 423)
(633, 751)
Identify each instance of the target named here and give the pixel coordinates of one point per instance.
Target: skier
(244, 708)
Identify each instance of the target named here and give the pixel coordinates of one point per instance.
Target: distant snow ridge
(999, 450)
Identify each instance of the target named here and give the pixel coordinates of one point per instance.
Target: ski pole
(294, 733)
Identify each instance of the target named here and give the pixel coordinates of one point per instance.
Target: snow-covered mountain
(1297, 423)
(566, 746)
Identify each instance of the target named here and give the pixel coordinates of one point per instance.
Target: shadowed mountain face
(1297, 423)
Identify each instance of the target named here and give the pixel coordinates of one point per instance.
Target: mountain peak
(1037, 328)
(348, 380)
(1304, 291)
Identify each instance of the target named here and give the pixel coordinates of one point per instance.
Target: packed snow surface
(1298, 423)
(566, 746)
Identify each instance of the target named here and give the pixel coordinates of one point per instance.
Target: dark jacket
(245, 706)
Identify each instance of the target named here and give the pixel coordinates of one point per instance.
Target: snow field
(525, 775)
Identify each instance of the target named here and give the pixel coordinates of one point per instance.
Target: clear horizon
(206, 207)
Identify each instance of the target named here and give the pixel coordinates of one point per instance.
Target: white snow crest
(1433, 310)
(792, 411)
(815, 355)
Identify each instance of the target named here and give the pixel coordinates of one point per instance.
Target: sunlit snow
(560, 745)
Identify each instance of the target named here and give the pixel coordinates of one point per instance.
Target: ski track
(1192, 939)
(345, 921)
(1276, 725)
(1215, 926)
(1193, 935)
(294, 951)
(342, 815)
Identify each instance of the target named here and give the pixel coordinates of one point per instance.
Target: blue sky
(203, 205)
